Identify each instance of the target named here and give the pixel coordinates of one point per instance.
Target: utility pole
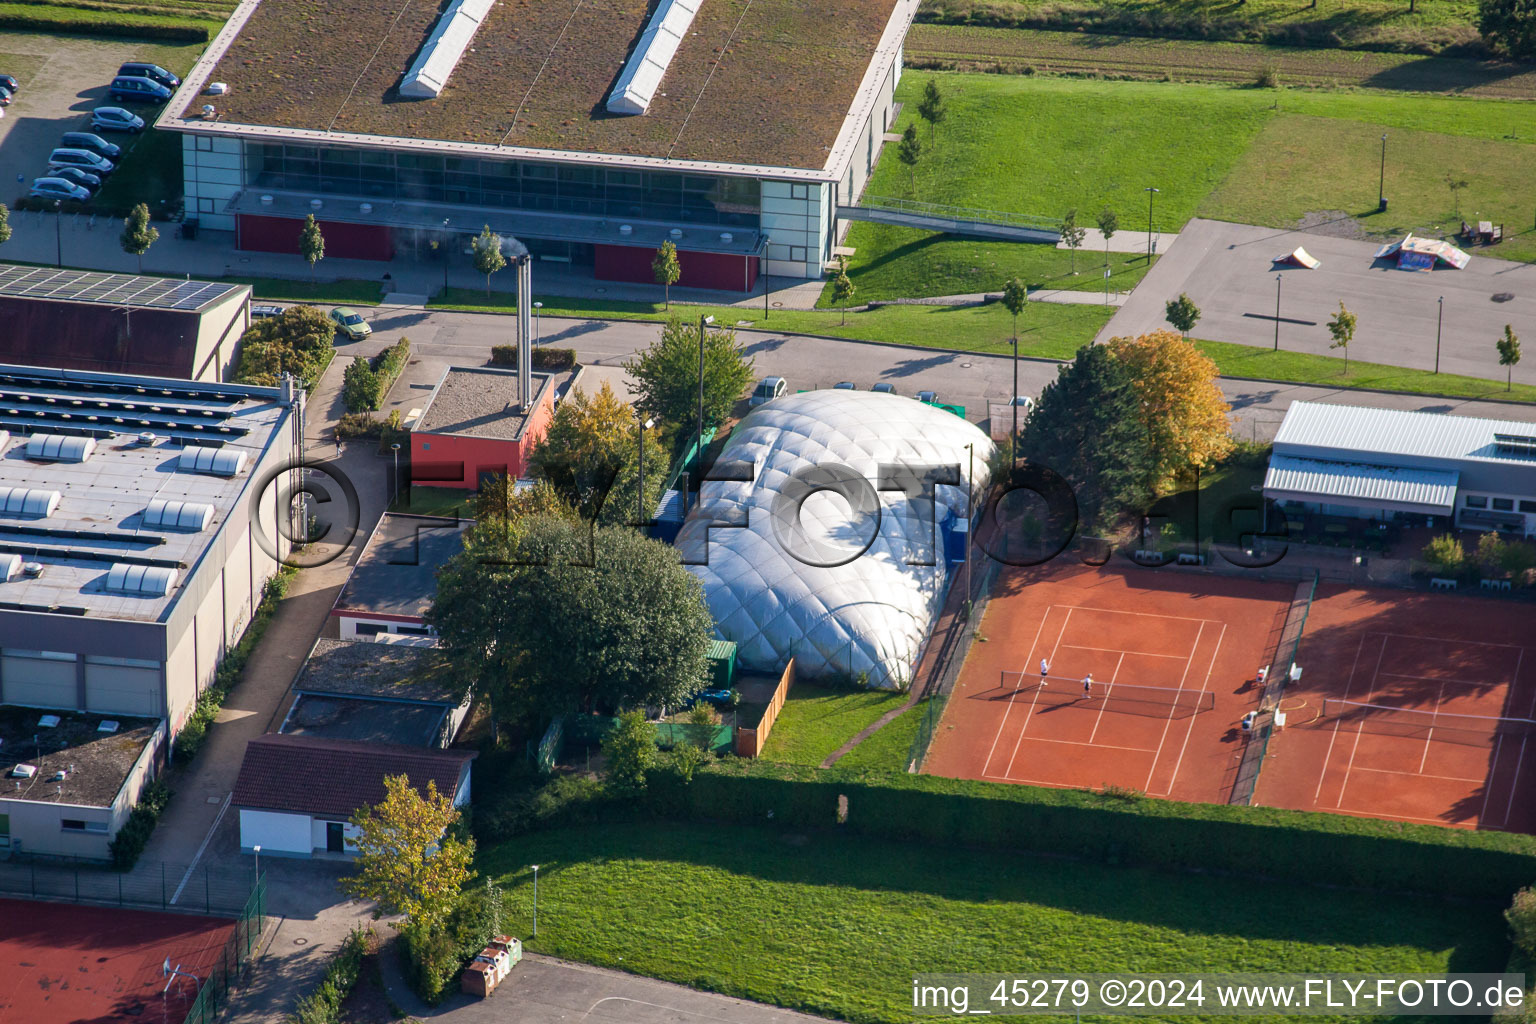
(1150, 193)
(1439, 322)
(1277, 312)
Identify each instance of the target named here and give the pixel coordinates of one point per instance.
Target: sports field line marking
(1514, 681)
(1441, 639)
(1442, 680)
(1118, 650)
(1509, 806)
(1030, 711)
(1419, 775)
(1429, 735)
(1150, 615)
(1190, 728)
(1349, 684)
(1410, 817)
(1498, 751)
(1189, 661)
(1089, 743)
(1105, 702)
(1032, 646)
(1360, 726)
(201, 847)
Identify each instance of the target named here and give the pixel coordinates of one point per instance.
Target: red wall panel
(344, 241)
(457, 460)
(699, 269)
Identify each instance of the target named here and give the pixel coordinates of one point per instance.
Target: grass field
(1025, 51)
(195, 20)
(886, 748)
(321, 293)
(816, 721)
(1302, 367)
(838, 925)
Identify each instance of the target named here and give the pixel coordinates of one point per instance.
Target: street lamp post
(445, 254)
(257, 850)
(1381, 183)
(58, 233)
(1013, 400)
(704, 322)
(640, 498)
(1150, 193)
(395, 482)
(1278, 279)
(536, 307)
(1439, 321)
(970, 521)
(535, 901)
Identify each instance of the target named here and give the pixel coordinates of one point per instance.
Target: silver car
(767, 390)
(81, 158)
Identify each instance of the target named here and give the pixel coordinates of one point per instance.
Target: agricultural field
(1023, 51)
(838, 925)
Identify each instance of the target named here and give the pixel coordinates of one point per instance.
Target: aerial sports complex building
(592, 132)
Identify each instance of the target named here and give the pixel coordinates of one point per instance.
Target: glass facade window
(1476, 501)
(665, 196)
(1503, 504)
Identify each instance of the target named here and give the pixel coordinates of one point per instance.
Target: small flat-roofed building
(394, 581)
(1389, 464)
(759, 121)
(475, 426)
(68, 779)
(380, 693)
(146, 529)
(295, 794)
(121, 323)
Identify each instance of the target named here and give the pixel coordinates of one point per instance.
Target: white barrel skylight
(450, 37)
(644, 69)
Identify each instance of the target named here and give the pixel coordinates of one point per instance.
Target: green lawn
(838, 925)
(816, 721)
(149, 172)
(321, 293)
(452, 502)
(886, 748)
(1301, 367)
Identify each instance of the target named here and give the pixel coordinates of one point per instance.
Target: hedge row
(543, 358)
(103, 25)
(323, 1006)
(367, 381)
(1299, 846)
(125, 847)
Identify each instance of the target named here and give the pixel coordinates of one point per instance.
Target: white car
(57, 188)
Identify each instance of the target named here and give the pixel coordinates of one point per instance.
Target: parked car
(928, 397)
(10, 83)
(5, 96)
(57, 188)
(95, 143)
(1023, 401)
(350, 323)
(844, 385)
(138, 90)
(263, 312)
(767, 390)
(116, 119)
(81, 158)
(75, 175)
(884, 388)
(154, 72)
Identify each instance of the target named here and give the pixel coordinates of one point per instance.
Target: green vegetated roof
(761, 82)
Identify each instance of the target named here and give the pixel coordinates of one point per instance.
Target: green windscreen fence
(1275, 678)
(213, 995)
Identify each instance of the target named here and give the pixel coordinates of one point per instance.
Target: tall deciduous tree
(137, 234)
(667, 375)
(552, 617)
(931, 107)
(629, 750)
(1182, 313)
(1072, 235)
(299, 342)
(1510, 26)
(1509, 355)
(1179, 402)
(1088, 427)
(311, 244)
(666, 269)
(1109, 223)
(1015, 298)
(590, 453)
(408, 862)
(910, 151)
(1342, 328)
(488, 257)
(843, 286)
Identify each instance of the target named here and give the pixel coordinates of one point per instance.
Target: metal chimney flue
(525, 329)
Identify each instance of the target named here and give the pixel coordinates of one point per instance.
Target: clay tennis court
(1172, 658)
(72, 962)
(1414, 707)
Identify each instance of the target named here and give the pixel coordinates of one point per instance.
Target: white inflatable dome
(797, 580)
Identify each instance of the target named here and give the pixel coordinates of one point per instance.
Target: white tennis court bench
(1187, 559)
(1493, 584)
(1441, 583)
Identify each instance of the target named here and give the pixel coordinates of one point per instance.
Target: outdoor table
(1485, 229)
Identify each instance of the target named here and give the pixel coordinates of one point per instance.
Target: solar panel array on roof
(1515, 444)
(59, 448)
(28, 502)
(158, 391)
(112, 289)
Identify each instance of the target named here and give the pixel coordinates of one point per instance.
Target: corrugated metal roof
(1428, 487)
(719, 650)
(1362, 432)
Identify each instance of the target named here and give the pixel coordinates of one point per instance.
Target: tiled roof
(335, 778)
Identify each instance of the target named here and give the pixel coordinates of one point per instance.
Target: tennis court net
(1056, 690)
(1420, 723)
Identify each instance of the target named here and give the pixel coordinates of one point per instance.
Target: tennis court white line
(1189, 661)
(1105, 702)
(1150, 615)
(1498, 751)
(1442, 640)
(1394, 815)
(1349, 684)
(1190, 728)
(1515, 681)
(1509, 807)
(1116, 650)
(1033, 644)
(1443, 680)
(1360, 727)
(1420, 775)
(1088, 743)
(1429, 737)
(1029, 713)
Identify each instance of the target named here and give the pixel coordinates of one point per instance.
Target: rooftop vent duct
(177, 515)
(59, 448)
(10, 567)
(141, 580)
(28, 502)
(5, 439)
(643, 70)
(212, 461)
(107, 725)
(444, 48)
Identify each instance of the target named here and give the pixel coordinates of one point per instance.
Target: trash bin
(189, 228)
(1382, 206)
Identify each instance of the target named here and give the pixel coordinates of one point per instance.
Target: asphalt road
(439, 340)
(1228, 270)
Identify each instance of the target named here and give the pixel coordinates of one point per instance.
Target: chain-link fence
(156, 885)
(229, 972)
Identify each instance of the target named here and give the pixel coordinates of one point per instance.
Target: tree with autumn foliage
(591, 454)
(408, 861)
(1181, 405)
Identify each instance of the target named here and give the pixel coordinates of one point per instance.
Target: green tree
(1445, 555)
(1109, 223)
(499, 499)
(547, 617)
(629, 750)
(1015, 299)
(1342, 328)
(1521, 917)
(701, 724)
(931, 107)
(299, 342)
(137, 234)
(1072, 235)
(488, 257)
(311, 244)
(409, 860)
(666, 269)
(1180, 402)
(1088, 427)
(1509, 26)
(843, 286)
(1182, 313)
(910, 151)
(1509, 355)
(360, 386)
(5, 223)
(591, 455)
(666, 375)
